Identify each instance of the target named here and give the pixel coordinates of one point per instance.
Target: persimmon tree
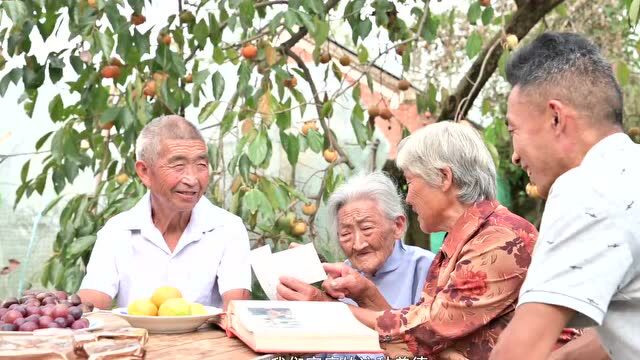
(115, 73)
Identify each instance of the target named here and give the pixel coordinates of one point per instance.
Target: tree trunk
(523, 20)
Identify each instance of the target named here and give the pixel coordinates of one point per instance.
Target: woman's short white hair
(168, 127)
(375, 186)
(456, 146)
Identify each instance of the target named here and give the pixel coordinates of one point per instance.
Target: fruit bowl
(168, 324)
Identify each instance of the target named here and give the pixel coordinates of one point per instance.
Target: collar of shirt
(202, 220)
(394, 260)
(467, 225)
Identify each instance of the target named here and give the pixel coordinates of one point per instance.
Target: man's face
(179, 176)
(536, 147)
(366, 236)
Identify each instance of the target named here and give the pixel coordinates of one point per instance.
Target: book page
(301, 262)
(329, 318)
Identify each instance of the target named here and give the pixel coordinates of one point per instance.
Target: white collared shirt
(587, 257)
(131, 259)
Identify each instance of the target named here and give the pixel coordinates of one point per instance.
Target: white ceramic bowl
(168, 324)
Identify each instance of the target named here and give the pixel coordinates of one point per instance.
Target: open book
(300, 327)
(301, 262)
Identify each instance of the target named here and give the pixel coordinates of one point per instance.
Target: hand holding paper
(300, 265)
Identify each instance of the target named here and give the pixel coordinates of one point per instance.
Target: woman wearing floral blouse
(473, 283)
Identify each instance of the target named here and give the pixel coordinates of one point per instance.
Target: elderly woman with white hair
(472, 286)
(368, 217)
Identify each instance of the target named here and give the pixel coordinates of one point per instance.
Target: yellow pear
(142, 307)
(175, 307)
(163, 294)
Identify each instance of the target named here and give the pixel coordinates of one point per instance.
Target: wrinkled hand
(343, 281)
(295, 290)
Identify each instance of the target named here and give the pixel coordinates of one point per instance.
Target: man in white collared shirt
(173, 236)
(565, 117)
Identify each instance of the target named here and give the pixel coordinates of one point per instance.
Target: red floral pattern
(471, 290)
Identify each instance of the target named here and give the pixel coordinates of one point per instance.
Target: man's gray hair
(168, 127)
(375, 186)
(456, 146)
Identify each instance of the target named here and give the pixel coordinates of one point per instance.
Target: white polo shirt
(131, 259)
(587, 257)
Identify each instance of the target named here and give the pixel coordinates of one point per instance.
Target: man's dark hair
(570, 68)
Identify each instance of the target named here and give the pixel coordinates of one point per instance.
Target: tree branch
(272, 2)
(523, 20)
(303, 30)
(421, 22)
(318, 103)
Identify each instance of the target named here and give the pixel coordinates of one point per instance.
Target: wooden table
(206, 343)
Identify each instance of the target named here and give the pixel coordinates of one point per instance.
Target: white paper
(301, 263)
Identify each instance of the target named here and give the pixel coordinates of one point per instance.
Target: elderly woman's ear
(399, 226)
(447, 178)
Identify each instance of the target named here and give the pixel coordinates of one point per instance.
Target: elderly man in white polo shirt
(173, 236)
(565, 117)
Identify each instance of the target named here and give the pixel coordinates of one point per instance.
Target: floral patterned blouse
(471, 290)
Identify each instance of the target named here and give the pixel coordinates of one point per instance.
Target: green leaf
(357, 118)
(227, 122)
(315, 140)
(12, 76)
(82, 244)
(57, 144)
(474, 44)
(141, 41)
(258, 148)
(110, 115)
(244, 167)
(306, 21)
(487, 15)
(17, 11)
(70, 170)
(41, 141)
(207, 110)
(58, 180)
(634, 9)
(278, 198)
(302, 101)
(290, 19)
(218, 85)
(40, 183)
(369, 81)
(218, 55)
(502, 64)
(321, 32)
(291, 146)
(25, 171)
(105, 41)
(201, 32)
(327, 109)
(562, 10)
(283, 117)
(56, 108)
(622, 73)
(46, 27)
(247, 12)
(474, 12)
(200, 77)
(215, 31)
(363, 54)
